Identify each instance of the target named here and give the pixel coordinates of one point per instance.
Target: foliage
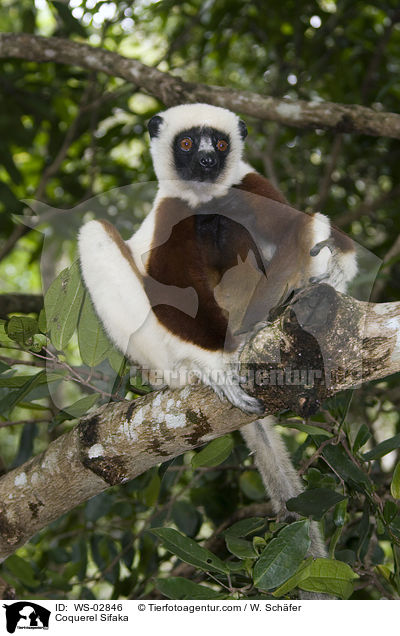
(68, 135)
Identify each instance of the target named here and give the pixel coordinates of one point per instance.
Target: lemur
(220, 248)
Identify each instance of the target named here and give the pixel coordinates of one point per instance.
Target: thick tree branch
(343, 339)
(172, 90)
(335, 341)
(113, 445)
(20, 303)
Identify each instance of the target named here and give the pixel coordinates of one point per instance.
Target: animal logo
(26, 615)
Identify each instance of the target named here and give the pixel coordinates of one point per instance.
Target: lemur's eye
(222, 145)
(186, 143)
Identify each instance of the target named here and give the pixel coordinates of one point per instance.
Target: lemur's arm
(113, 280)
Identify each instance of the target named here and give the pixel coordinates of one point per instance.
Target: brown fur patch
(194, 249)
(120, 243)
(342, 242)
(177, 259)
(257, 184)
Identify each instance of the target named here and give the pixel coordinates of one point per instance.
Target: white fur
(340, 267)
(186, 116)
(321, 231)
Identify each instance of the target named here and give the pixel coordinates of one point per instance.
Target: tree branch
(172, 90)
(342, 338)
(111, 446)
(366, 208)
(24, 303)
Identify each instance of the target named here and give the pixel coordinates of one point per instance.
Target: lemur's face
(200, 153)
(197, 144)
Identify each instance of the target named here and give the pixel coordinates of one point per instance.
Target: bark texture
(172, 90)
(341, 340)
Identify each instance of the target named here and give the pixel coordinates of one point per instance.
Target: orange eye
(222, 145)
(186, 143)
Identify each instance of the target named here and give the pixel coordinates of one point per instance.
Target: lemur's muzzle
(207, 160)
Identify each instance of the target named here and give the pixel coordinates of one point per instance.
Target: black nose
(207, 160)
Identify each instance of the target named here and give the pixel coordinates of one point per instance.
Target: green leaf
(21, 329)
(52, 299)
(104, 550)
(293, 581)
(395, 485)
(305, 428)
(189, 551)
(152, 490)
(22, 570)
(385, 572)
(178, 588)
(98, 506)
(362, 437)
(331, 577)
(128, 550)
(8, 402)
(187, 517)
(314, 503)
(80, 407)
(214, 453)
(42, 321)
(389, 511)
(77, 409)
(236, 566)
(241, 548)
(18, 381)
(245, 527)
(7, 161)
(282, 556)
(339, 515)
(4, 367)
(39, 341)
(251, 484)
(5, 341)
(65, 314)
(117, 361)
(383, 448)
(343, 465)
(316, 479)
(93, 342)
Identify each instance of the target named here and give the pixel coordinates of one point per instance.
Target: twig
(16, 422)
(366, 208)
(49, 172)
(317, 454)
(326, 181)
(380, 283)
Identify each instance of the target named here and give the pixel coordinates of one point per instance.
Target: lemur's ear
(242, 129)
(153, 125)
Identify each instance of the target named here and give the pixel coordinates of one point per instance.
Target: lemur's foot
(314, 251)
(318, 279)
(239, 398)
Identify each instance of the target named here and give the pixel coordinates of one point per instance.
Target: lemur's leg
(314, 251)
(278, 473)
(337, 265)
(230, 389)
(115, 288)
